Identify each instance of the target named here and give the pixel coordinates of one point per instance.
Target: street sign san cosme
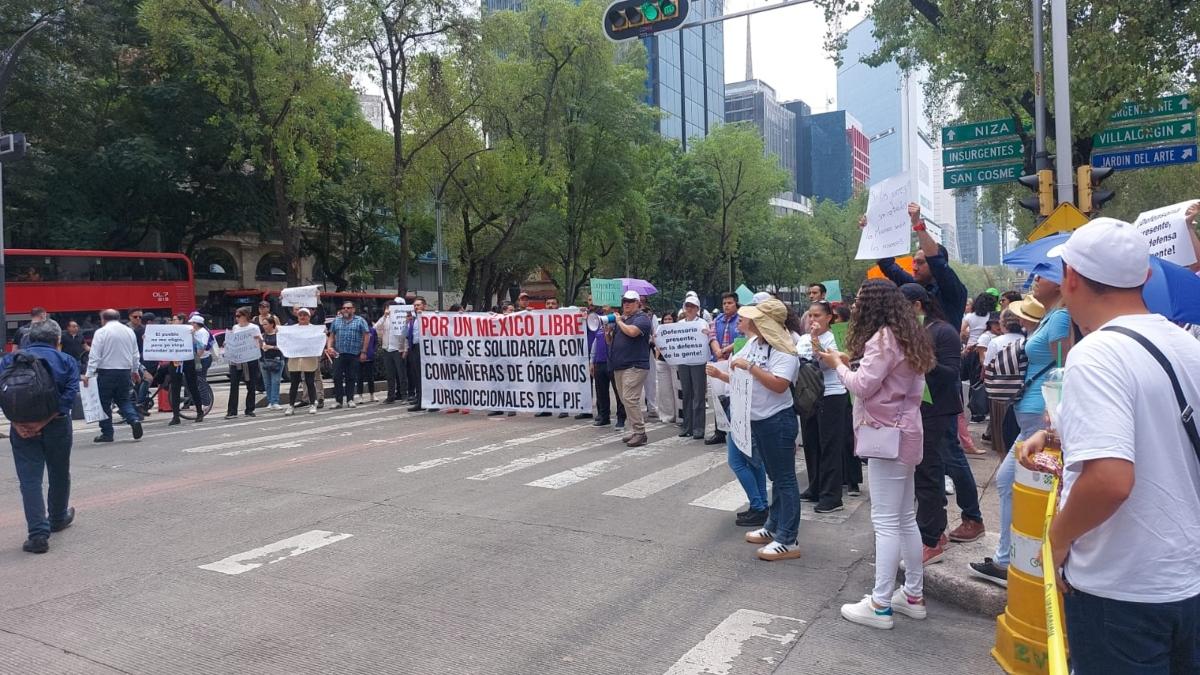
(977, 154)
(986, 175)
(1167, 106)
(1145, 158)
(979, 131)
(1145, 134)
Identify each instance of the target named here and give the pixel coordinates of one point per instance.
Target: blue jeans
(116, 387)
(1132, 638)
(345, 376)
(954, 462)
(775, 440)
(1006, 475)
(753, 478)
(48, 452)
(272, 376)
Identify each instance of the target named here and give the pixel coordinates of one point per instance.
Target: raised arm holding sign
(886, 229)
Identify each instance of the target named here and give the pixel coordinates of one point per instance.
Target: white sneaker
(759, 536)
(372, 398)
(949, 486)
(351, 404)
(337, 405)
(914, 609)
(865, 613)
(777, 551)
(312, 410)
(289, 411)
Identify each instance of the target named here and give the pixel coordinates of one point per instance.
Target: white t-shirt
(1118, 403)
(998, 343)
(833, 384)
(763, 402)
(200, 338)
(975, 326)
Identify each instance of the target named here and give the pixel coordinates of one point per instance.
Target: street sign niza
(979, 131)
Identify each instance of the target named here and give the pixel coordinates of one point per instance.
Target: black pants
(605, 382)
(853, 465)
(694, 384)
(310, 384)
(397, 375)
(930, 479)
(345, 376)
(414, 373)
(825, 448)
(366, 376)
(188, 378)
(239, 373)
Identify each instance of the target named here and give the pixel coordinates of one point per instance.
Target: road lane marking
(485, 449)
(728, 497)
(313, 433)
(266, 421)
(542, 457)
(280, 550)
(300, 443)
(716, 653)
(579, 474)
(661, 480)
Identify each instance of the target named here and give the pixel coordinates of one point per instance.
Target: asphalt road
(380, 541)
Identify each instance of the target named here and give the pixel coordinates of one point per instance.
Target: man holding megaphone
(629, 359)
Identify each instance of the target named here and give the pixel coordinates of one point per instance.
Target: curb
(951, 580)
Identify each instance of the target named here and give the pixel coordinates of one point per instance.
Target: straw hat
(769, 317)
(1029, 309)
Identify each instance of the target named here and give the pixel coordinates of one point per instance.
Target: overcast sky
(789, 51)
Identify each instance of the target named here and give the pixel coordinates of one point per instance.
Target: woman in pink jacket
(893, 354)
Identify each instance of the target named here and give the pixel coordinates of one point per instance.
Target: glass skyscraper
(685, 75)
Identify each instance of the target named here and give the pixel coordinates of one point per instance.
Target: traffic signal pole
(747, 12)
(1041, 160)
(1062, 103)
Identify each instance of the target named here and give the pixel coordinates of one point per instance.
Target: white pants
(894, 516)
(666, 386)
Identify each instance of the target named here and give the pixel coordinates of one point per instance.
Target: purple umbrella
(642, 286)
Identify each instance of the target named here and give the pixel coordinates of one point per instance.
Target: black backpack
(808, 389)
(27, 390)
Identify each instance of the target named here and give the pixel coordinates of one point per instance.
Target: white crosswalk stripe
(543, 457)
(313, 433)
(728, 497)
(579, 474)
(665, 478)
(483, 450)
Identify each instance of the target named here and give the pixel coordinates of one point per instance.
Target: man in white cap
(1126, 539)
(629, 360)
(394, 345)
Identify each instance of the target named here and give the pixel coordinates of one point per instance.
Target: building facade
(685, 75)
(753, 101)
(835, 155)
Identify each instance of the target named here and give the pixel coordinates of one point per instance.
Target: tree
(261, 58)
(746, 179)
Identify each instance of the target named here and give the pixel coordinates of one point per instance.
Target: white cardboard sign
(741, 383)
(1167, 233)
(683, 343)
(888, 225)
(168, 342)
(89, 396)
(241, 347)
(300, 341)
(300, 296)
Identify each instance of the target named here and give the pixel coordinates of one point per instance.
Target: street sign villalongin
(978, 154)
(1145, 134)
(979, 131)
(1146, 158)
(986, 175)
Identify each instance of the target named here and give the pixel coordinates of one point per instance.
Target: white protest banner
(241, 347)
(167, 342)
(740, 394)
(300, 296)
(398, 318)
(525, 362)
(683, 343)
(89, 396)
(299, 341)
(1167, 234)
(887, 230)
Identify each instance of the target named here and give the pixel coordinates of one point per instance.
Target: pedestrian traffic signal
(1087, 182)
(1042, 183)
(628, 19)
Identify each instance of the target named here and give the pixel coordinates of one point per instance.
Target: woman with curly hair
(893, 353)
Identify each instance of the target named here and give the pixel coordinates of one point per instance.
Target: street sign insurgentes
(1146, 158)
(1178, 104)
(985, 175)
(978, 154)
(1145, 134)
(980, 131)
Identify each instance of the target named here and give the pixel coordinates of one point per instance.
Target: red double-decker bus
(80, 284)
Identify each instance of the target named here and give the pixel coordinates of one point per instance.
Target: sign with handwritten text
(887, 230)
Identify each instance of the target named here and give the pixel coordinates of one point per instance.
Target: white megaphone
(594, 322)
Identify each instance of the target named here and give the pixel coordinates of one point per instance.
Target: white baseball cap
(761, 296)
(691, 299)
(1110, 252)
(196, 319)
(631, 295)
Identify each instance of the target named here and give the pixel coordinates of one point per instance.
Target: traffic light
(1042, 183)
(628, 19)
(1087, 182)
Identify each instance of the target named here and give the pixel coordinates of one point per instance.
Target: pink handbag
(876, 441)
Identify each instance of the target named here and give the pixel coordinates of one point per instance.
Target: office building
(981, 234)
(887, 101)
(944, 209)
(833, 154)
(374, 108)
(753, 101)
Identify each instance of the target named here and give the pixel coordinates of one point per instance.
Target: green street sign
(979, 131)
(984, 175)
(1146, 134)
(1163, 107)
(976, 154)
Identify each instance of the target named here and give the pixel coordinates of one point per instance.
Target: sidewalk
(951, 580)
